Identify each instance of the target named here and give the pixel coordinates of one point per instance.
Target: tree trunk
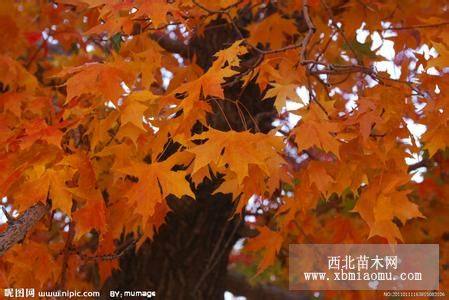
(188, 256)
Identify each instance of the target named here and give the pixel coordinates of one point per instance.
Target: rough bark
(18, 228)
(187, 259)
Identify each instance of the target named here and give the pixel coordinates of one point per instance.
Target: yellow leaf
(132, 112)
(282, 94)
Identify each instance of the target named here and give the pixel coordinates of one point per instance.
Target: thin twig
(35, 53)
(412, 27)
(223, 113)
(220, 11)
(66, 253)
(239, 32)
(215, 260)
(117, 254)
(10, 218)
(340, 30)
(310, 31)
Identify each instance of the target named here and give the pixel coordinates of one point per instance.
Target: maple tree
(141, 139)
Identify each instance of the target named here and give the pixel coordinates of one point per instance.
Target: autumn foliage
(109, 107)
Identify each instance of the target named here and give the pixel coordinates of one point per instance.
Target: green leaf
(117, 41)
(362, 50)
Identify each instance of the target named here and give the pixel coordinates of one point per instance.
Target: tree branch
(310, 31)
(18, 228)
(65, 258)
(169, 44)
(423, 163)
(117, 254)
(414, 27)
